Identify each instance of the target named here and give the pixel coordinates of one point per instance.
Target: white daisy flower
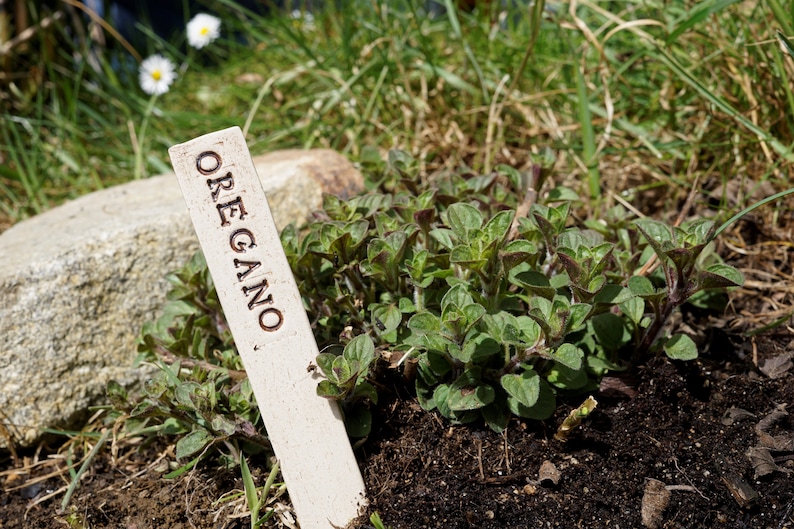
(306, 17)
(156, 75)
(203, 29)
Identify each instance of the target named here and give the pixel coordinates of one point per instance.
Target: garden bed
(689, 425)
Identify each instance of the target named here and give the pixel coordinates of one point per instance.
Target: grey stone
(78, 282)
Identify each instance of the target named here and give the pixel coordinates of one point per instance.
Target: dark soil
(690, 426)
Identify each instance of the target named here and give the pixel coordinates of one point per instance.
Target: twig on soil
(687, 488)
(479, 459)
(694, 488)
(38, 479)
(507, 450)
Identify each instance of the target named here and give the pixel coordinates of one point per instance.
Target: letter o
(242, 246)
(208, 162)
(271, 319)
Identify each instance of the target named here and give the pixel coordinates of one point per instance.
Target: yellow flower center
(205, 30)
(156, 75)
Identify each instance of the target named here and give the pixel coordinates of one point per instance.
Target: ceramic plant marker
(262, 304)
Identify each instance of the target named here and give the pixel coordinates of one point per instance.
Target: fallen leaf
(762, 461)
(771, 418)
(778, 443)
(654, 501)
(777, 366)
(735, 415)
(548, 473)
(616, 387)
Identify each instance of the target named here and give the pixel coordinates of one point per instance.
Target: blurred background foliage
(633, 101)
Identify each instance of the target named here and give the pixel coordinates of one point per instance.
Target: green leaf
(329, 390)
(117, 395)
(702, 229)
(360, 353)
(424, 393)
(657, 234)
(569, 379)
(543, 408)
(481, 348)
(536, 283)
(503, 327)
(386, 318)
(530, 330)
(641, 286)
(612, 295)
(444, 237)
(456, 298)
(193, 442)
(440, 396)
(634, 308)
(365, 390)
(719, 276)
(463, 355)
(574, 240)
(579, 312)
(516, 252)
(467, 257)
(681, 347)
(525, 388)
(224, 425)
(496, 415)
(570, 261)
(424, 323)
(562, 194)
(358, 421)
(432, 368)
(251, 498)
(683, 258)
(325, 361)
(343, 371)
(468, 392)
(463, 219)
(569, 355)
(496, 229)
(611, 331)
(473, 313)
(184, 394)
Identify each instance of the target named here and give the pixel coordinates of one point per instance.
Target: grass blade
(455, 23)
(748, 209)
(84, 467)
(786, 20)
(702, 11)
(785, 43)
(251, 498)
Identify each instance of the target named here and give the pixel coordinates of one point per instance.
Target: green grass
(666, 91)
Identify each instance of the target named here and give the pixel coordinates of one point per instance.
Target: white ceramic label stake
(271, 330)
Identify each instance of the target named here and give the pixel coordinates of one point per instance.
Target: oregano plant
(199, 392)
(491, 306)
(496, 313)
